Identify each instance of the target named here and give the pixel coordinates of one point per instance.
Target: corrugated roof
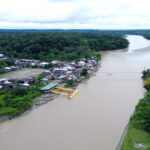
(49, 86)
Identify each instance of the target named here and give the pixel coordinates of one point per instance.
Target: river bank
(135, 139)
(138, 134)
(119, 146)
(128, 140)
(45, 98)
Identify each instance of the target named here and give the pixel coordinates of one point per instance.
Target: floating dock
(73, 94)
(54, 88)
(65, 91)
(49, 87)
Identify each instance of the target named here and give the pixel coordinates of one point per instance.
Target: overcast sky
(75, 14)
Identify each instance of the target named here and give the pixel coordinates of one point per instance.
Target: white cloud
(94, 14)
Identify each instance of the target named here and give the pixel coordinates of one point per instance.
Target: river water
(95, 118)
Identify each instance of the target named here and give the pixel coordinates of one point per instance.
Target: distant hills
(137, 31)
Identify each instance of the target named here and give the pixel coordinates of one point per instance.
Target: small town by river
(96, 117)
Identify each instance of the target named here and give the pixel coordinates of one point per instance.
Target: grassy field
(22, 73)
(136, 136)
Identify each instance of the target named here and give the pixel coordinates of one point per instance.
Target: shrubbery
(19, 92)
(141, 117)
(16, 101)
(147, 83)
(84, 72)
(70, 83)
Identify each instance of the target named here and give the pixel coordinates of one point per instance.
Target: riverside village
(64, 74)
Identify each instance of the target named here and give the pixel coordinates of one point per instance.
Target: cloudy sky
(75, 14)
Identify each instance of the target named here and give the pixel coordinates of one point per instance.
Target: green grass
(136, 136)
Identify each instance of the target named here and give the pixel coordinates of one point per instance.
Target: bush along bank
(138, 135)
(16, 101)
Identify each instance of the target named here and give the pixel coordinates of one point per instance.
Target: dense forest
(66, 46)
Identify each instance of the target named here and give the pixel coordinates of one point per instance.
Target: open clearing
(22, 73)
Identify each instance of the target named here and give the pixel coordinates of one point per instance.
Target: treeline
(6, 63)
(139, 125)
(66, 46)
(141, 117)
(147, 36)
(144, 33)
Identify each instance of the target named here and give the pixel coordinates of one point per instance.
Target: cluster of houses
(22, 63)
(64, 71)
(60, 73)
(2, 56)
(15, 83)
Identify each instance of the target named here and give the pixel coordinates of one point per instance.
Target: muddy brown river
(95, 118)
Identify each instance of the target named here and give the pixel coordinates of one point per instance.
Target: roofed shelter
(49, 87)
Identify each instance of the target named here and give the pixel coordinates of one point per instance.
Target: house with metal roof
(49, 87)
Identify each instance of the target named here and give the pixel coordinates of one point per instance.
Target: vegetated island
(67, 58)
(138, 134)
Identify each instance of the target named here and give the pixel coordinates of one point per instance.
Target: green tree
(70, 83)
(147, 83)
(50, 65)
(84, 72)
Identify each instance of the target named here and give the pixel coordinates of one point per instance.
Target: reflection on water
(94, 119)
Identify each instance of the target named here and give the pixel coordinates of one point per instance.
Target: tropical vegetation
(15, 101)
(84, 72)
(6, 63)
(66, 46)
